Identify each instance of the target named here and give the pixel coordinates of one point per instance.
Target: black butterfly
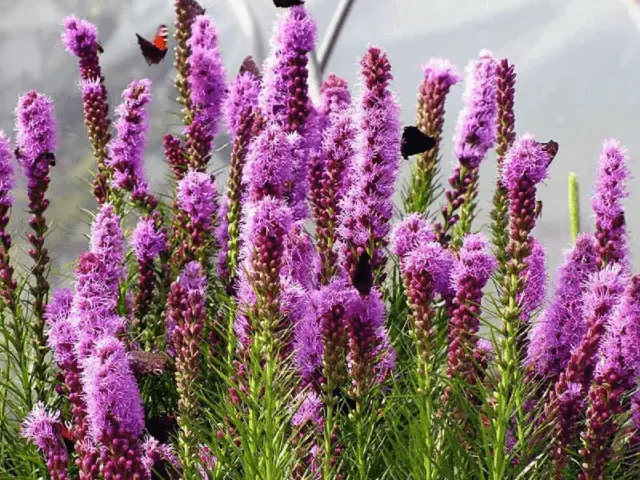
(154, 51)
(196, 9)
(147, 363)
(363, 276)
(414, 141)
(50, 157)
(287, 3)
(551, 147)
(249, 65)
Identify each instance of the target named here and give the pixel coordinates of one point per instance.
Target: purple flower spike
(284, 97)
(107, 239)
(185, 323)
(242, 99)
(127, 148)
(62, 334)
(208, 86)
(241, 110)
(601, 296)
(470, 275)
(606, 202)
(476, 131)
(535, 281)
(367, 207)
(36, 140)
(615, 376)
(439, 76)
(301, 261)
(149, 241)
(370, 356)
(176, 156)
(330, 175)
(475, 135)
(7, 284)
(43, 429)
(197, 200)
(114, 408)
(80, 38)
(561, 326)
(425, 272)
(410, 233)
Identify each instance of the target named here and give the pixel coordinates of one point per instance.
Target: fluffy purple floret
(41, 427)
(335, 95)
(62, 335)
(296, 30)
(127, 147)
(526, 158)
(269, 217)
(197, 197)
(243, 95)
(477, 127)
(432, 258)
(192, 279)
(301, 261)
(269, 165)
(78, 35)
(310, 411)
(35, 130)
(7, 180)
(561, 326)
(148, 242)
(475, 261)
(111, 391)
(535, 275)
(442, 72)
(307, 339)
(620, 348)
(207, 75)
(411, 232)
(107, 239)
(154, 452)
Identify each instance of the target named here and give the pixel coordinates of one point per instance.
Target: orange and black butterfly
(154, 51)
(287, 3)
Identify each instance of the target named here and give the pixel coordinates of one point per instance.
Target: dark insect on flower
(551, 147)
(147, 363)
(48, 156)
(287, 3)
(414, 141)
(538, 212)
(196, 9)
(232, 287)
(154, 51)
(249, 65)
(363, 276)
(162, 428)
(99, 47)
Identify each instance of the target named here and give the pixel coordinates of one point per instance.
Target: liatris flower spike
(7, 283)
(43, 429)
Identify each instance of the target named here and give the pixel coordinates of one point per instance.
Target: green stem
(574, 206)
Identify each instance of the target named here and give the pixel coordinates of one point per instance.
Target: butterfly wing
(197, 9)
(287, 3)
(151, 53)
(363, 276)
(414, 141)
(249, 65)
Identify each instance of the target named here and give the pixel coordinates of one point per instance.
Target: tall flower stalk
(185, 323)
(330, 175)
(475, 135)
(439, 76)
(36, 141)
(186, 11)
(367, 207)
(505, 138)
(524, 167)
(43, 429)
(240, 112)
(80, 38)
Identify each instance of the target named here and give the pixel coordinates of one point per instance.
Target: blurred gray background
(578, 66)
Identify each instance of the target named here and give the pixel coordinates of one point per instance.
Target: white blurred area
(578, 66)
